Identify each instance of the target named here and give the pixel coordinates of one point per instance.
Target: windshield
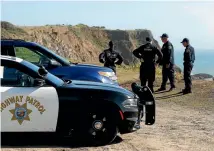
(57, 56)
(50, 78)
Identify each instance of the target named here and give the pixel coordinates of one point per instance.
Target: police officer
(110, 57)
(147, 54)
(189, 58)
(167, 63)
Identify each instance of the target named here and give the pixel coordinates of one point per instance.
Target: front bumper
(145, 106)
(131, 116)
(128, 123)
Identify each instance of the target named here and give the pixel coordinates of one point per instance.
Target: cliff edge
(80, 42)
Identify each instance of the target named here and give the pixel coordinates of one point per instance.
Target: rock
(178, 69)
(128, 40)
(203, 76)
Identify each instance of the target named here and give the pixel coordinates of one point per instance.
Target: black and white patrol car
(34, 100)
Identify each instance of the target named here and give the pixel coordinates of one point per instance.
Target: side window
(11, 77)
(34, 56)
(28, 55)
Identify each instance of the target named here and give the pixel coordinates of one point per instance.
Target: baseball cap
(185, 40)
(148, 39)
(164, 35)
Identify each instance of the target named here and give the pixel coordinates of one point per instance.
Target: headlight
(130, 103)
(110, 75)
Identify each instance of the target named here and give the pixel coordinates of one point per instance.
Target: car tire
(101, 128)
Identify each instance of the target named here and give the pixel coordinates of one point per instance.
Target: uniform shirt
(168, 53)
(110, 58)
(189, 55)
(147, 52)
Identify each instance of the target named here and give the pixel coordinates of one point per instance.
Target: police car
(34, 100)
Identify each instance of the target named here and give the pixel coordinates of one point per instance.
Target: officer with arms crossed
(189, 58)
(147, 55)
(168, 63)
(110, 57)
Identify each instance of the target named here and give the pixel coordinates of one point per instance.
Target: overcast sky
(178, 19)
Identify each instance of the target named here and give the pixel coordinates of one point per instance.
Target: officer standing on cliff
(110, 57)
(189, 59)
(167, 63)
(146, 53)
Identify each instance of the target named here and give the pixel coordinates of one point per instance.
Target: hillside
(80, 42)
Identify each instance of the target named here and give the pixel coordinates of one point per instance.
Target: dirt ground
(183, 123)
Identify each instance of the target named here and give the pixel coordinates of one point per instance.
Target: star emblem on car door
(20, 113)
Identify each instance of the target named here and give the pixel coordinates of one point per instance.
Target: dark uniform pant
(168, 73)
(187, 76)
(147, 73)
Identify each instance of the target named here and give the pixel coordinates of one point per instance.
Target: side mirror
(38, 82)
(53, 63)
(42, 71)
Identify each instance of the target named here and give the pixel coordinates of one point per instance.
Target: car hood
(101, 86)
(93, 67)
(90, 65)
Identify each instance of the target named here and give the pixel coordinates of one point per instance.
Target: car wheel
(101, 128)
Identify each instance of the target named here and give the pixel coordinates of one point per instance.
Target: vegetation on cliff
(81, 43)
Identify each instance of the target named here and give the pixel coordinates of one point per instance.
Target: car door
(24, 106)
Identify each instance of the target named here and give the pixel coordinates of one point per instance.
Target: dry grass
(128, 74)
(131, 74)
(125, 75)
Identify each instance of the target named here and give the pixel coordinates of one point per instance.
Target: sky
(193, 20)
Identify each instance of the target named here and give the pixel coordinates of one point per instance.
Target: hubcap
(145, 89)
(98, 125)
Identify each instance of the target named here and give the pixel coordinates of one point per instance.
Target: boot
(186, 91)
(172, 88)
(161, 89)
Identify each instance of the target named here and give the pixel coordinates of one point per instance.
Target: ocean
(204, 61)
